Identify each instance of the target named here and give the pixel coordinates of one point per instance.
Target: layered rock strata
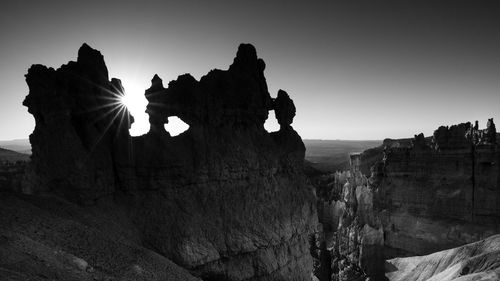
(352, 233)
(422, 195)
(225, 199)
(440, 192)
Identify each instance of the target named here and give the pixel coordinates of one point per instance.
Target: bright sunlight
(136, 103)
(176, 126)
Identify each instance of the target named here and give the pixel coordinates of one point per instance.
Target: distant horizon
(22, 139)
(322, 139)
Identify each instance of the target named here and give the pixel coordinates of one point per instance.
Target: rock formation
(476, 261)
(443, 192)
(225, 199)
(423, 195)
(79, 121)
(284, 109)
(352, 233)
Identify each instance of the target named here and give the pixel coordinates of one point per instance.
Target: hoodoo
(225, 200)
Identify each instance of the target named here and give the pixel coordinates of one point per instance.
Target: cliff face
(441, 192)
(225, 199)
(352, 233)
(422, 195)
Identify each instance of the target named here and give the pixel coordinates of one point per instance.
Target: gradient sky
(362, 70)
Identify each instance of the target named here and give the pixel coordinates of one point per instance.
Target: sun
(135, 101)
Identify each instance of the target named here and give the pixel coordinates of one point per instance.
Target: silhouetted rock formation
(78, 127)
(225, 199)
(284, 109)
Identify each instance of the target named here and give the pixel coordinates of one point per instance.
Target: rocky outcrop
(422, 195)
(475, 261)
(441, 192)
(79, 122)
(352, 233)
(225, 199)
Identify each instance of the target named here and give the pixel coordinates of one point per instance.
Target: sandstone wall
(440, 194)
(423, 195)
(352, 233)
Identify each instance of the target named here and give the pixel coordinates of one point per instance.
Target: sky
(358, 70)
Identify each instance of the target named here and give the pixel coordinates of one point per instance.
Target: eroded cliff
(352, 234)
(225, 199)
(440, 192)
(421, 195)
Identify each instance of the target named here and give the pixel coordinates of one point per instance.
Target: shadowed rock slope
(47, 238)
(225, 199)
(7, 155)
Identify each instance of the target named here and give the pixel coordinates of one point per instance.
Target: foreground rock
(475, 261)
(46, 238)
(225, 199)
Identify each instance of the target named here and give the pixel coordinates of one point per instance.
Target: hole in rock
(135, 101)
(176, 126)
(271, 124)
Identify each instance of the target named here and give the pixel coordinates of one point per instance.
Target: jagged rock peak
(246, 53)
(419, 141)
(92, 58)
(117, 84)
(246, 59)
(238, 96)
(156, 79)
(284, 109)
(88, 54)
(156, 83)
(156, 97)
(491, 132)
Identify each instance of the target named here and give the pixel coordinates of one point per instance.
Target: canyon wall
(226, 199)
(422, 195)
(351, 236)
(440, 192)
